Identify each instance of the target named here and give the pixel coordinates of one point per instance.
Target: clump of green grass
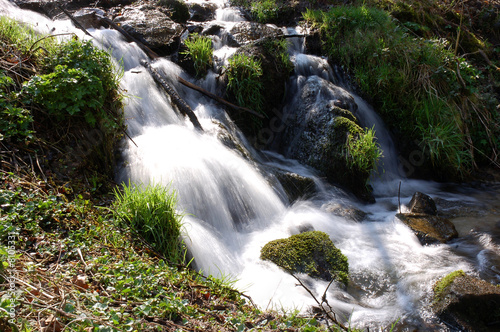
(264, 11)
(363, 151)
(151, 211)
(200, 49)
(244, 73)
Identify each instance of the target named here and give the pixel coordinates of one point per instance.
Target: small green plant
(363, 151)
(279, 49)
(244, 83)
(150, 210)
(15, 122)
(201, 52)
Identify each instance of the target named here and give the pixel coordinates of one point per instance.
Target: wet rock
(316, 132)
(202, 12)
(312, 253)
(422, 203)
(89, 17)
(344, 210)
(296, 186)
(152, 27)
(428, 228)
(467, 303)
(247, 32)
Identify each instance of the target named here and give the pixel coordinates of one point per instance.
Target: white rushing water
(233, 208)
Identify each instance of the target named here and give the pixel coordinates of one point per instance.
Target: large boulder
(310, 252)
(318, 122)
(152, 26)
(467, 303)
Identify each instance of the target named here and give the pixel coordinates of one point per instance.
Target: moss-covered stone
(466, 303)
(311, 252)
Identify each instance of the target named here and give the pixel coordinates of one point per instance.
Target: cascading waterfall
(233, 209)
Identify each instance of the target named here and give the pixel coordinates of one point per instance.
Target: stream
(233, 205)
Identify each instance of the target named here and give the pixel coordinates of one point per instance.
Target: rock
(316, 132)
(89, 17)
(422, 203)
(247, 32)
(428, 228)
(312, 253)
(467, 303)
(152, 27)
(202, 12)
(178, 10)
(296, 186)
(346, 211)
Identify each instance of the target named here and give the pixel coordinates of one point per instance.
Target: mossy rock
(311, 252)
(466, 303)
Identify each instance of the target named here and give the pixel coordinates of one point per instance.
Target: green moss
(312, 253)
(441, 286)
(347, 125)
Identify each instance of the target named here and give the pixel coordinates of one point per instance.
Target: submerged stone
(467, 303)
(311, 252)
(296, 186)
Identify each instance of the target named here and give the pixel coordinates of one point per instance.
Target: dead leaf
(80, 281)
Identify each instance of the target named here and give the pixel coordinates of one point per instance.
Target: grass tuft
(151, 211)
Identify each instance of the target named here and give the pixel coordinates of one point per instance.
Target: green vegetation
(150, 211)
(441, 285)
(199, 48)
(423, 90)
(244, 73)
(278, 49)
(309, 252)
(363, 151)
(77, 80)
(264, 11)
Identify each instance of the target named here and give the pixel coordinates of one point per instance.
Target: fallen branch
(216, 98)
(330, 314)
(176, 99)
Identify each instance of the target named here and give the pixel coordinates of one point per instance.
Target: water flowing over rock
(296, 186)
(429, 229)
(466, 303)
(318, 123)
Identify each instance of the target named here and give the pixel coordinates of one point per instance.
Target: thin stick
(399, 197)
